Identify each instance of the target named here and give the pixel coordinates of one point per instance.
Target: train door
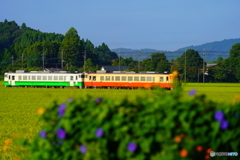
(167, 81)
(75, 80)
(9, 79)
(13, 78)
(90, 80)
(71, 80)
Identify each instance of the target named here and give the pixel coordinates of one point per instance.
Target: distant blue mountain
(136, 53)
(211, 51)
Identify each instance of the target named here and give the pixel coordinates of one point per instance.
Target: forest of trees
(23, 48)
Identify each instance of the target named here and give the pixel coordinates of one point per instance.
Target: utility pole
(139, 61)
(22, 60)
(84, 56)
(119, 60)
(185, 67)
(203, 67)
(198, 75)
(62, 61)
(43, 60)
(12, 61)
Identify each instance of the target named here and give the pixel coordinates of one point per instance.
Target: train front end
(6, 80)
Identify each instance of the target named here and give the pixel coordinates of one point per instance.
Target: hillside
(213, 50)
(222, 46)
(22, 47)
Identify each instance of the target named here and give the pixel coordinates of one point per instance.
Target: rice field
(19, 118)
(220, 92)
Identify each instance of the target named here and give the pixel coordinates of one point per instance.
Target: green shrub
(160, 125)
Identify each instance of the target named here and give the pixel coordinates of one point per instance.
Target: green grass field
(18, 108)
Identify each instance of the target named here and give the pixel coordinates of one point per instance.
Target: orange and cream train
(128, 80)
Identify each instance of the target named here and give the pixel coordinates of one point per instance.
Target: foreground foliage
(160, 125)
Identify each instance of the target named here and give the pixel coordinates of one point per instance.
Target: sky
(136, 24)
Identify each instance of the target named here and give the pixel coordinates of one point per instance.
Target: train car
(128, 80)
(43, 79)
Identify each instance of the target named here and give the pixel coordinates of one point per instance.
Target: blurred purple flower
(192, 92)
(132, 146)
(218, 115)
(83, 149)
(99, 132)
(61, 133)
(61, 109)
(70, 99)
(43, 134)
(224, 124)
(98, 100)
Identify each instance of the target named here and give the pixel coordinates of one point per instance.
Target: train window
(153, 78)
(124, 78)
(149, 78)
(5, 76)
(107, 78)
(161, 79)
(112, 78)
(49, 77)
(90, 77)
(44, 77)
(19, 78)
(9, 77)
(55, 78)
(94, 78)
(167, 78)
(60, 78)
(101, 78)
(29, 77)
(136, 78)
(86, 76)
(71, 78)
(33, 77)
(117, 78)
(143, 78)
(130, 78)
(81, 76)
(38, 77)
(13, 77)
(24, 77)
(76, 77)
(65, 77)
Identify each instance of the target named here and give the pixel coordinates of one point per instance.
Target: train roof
(41, 73)
(131, 73)
(65, 72)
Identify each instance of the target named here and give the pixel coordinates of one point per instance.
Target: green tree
(232, 64)
(24, 26)
(158, 62)
(34, 55)
(146, 65)
(89, 66)
(235, 50)
(71, 49)
(105, 55)
(50, 51)
(91, 51)
(193, 63)
(6, 60)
